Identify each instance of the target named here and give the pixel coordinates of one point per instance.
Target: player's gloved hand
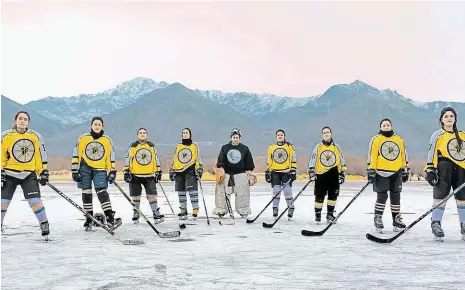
(371, 175)
(342, 177)
(112, 176)
(432, 176)
(43, 177)
(76, 176)
(268, 176)
(172, 174)
(127, 177)
(292, 175)
(311, 173)
(199, 172)
(158, 176)
(405, 174)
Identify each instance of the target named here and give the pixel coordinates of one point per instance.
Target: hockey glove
(3, 178)
(371, 175)
(44, 177)
(219, 175)
(268, 176)
(76, 176)
(172, 174)
(292, 175)
(342, 177)
(405, 174)
(112, 176)
(432, 176)
(127, 177)
(311, 173)
(199, 172)
(158, 176)
(252, 178)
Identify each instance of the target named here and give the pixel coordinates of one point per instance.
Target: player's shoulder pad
(6, 132)
(134, 144)
(150, 144)
(108, 137)
(37, 134)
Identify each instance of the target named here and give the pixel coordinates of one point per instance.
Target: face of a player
(327, 134)
(280, 136)
(386, 126)
(186, 134)
(97, 126)
(448, 119)
(235, 139)
(22, 121)
(142, 135)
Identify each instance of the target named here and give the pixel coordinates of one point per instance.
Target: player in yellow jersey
(142, 167)
(328, 166)
(281, 170)
(23, 159)
(445, 168)
(387, 169)
(186, 170)
(94, 162)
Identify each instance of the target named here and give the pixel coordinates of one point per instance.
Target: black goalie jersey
(235, 159)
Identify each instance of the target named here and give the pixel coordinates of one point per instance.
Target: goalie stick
(320, 233)
(274, 197)
(204, 204)
(390, 240)
(173, 234)
(232, 220)
(266, 225)
(124, 242)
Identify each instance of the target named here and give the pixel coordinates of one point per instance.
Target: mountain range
(353, 111)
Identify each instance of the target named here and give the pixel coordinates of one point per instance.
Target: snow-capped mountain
(251, 105)
(80, 109)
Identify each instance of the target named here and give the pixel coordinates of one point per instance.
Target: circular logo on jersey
(95, 151)
(328, 158)
(143, 156)
(453, 149)
(279, 155)
(234, 156)
(23, 150)
(390, 150)
(185, 155)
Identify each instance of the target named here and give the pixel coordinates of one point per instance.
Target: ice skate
(275, 212)
(88, 223)
(157, 217)
(290, 212)
(462, 227)
(135, 217)
(45, 229)
(318, 217)
(437, 230)
(330, 217)
(183, 214)
(112, 222)
(378, 221)
(398, 224)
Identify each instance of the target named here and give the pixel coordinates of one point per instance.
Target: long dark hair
(456, 131)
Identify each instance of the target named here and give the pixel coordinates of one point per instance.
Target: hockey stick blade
(316, 234)
(133, 242)
(169, 235)
(391, 239)
(265, 225)
(250, 221)
(227, 222)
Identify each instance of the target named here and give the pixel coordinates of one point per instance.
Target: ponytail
(459, 141)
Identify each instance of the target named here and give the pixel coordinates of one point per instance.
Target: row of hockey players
(24, 158)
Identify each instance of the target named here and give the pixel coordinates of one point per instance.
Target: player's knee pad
(276, 189)
(395, 197)
(102, 195)
(382, 197)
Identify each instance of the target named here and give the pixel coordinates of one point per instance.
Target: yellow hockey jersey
(281, 158)
(387, 155)
(185, 156)
(96, 153)
(142, 159)
(23, 153)
(444, 144)
(324, 157)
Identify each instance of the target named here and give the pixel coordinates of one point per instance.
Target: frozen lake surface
(240, 256)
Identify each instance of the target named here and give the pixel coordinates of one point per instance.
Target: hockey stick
(265, 225)
(320, 233)
(390, 240)
(232, 220)
(274, 197)
(173, 234)
(181, 226)
(124, 242)
(204, 204)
